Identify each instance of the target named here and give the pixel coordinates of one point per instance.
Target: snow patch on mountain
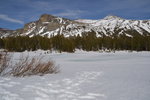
(88, 21)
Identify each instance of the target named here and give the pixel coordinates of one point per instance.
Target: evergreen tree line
(88, 42)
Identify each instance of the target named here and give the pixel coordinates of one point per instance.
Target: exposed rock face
(46, 18)
(48, 25)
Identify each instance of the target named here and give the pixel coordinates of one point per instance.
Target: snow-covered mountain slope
(5, 32)
(49, 25)
(114, 24)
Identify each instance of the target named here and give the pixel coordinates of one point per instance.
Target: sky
(15, 13)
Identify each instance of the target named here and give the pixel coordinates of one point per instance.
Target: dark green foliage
(88, 42)
(1, 43)
(22, 43)
(78, 41)
(59, 42)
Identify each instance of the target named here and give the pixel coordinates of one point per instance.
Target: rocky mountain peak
(47, 18)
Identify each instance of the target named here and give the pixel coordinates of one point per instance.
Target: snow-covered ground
(85, 76)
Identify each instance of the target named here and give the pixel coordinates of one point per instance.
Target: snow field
(84, 76)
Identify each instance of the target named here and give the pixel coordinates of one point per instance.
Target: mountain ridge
(49, 25)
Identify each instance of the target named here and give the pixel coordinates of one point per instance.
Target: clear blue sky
(15, 13)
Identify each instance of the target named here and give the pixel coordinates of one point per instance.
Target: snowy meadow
(84, 76)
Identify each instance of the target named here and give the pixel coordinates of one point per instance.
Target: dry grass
(28, 66)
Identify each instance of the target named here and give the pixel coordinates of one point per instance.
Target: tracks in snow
(76, 88)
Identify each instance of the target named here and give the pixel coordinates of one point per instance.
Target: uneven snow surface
(85, 76)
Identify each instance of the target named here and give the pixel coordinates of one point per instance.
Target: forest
(88, 42)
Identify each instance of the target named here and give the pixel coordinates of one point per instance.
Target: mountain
(49, 25)
(111, 25)
(5, 32)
